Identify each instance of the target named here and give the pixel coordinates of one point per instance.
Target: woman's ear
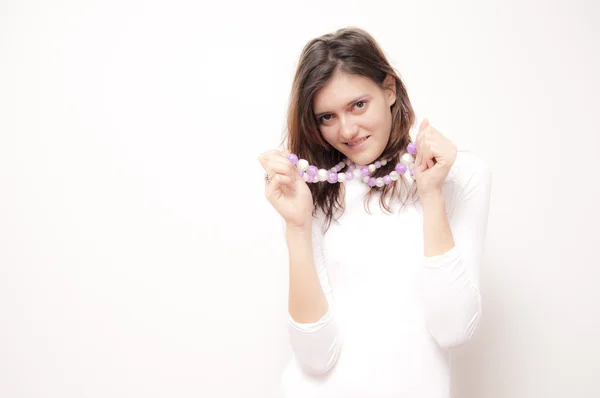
(389, 85)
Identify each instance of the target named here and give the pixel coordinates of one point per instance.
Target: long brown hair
(352, 51)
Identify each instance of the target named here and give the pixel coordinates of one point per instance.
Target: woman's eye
(325, 118)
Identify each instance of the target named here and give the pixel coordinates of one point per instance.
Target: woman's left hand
(435, 156)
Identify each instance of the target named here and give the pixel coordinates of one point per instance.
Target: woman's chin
(364, 159)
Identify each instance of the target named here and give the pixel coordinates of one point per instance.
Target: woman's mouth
(358, 143)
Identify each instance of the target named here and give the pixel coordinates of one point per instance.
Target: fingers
(422, 160)
(422, 130)
(425, 158)
(285, 178)
(430, 162)
(281, 165)
(264, 157)
(424, 125)
(277, 182)
(268, 157)
(279, 169)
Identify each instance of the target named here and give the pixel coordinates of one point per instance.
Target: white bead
(372, 168)
(366, 178)
(341, 177)
(383, 162)
(341, 165)
(302, 165)
(407, 159)
(379, 182)
(357, 173)
(305, 176)
(394, 175)
(322, 174)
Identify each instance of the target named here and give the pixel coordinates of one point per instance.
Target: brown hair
(352, 51)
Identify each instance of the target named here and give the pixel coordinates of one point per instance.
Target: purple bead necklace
(313, 174)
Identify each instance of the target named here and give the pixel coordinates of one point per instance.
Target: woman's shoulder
(469, 177)
(467, 166)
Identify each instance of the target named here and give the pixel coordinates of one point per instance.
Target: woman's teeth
(356, 142)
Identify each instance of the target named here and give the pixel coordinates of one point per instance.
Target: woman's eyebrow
(349, 103)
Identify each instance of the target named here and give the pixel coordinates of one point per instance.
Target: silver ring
(267, 179)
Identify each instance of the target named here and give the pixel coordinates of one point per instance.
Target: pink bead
(332, 178)
(400, 168)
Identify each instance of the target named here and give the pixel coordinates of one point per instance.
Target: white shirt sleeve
(317, 345)
(450, 282)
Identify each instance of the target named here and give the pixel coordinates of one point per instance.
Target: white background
(138, 255)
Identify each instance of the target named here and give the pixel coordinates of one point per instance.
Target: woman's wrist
(299, 228)
(431, 198)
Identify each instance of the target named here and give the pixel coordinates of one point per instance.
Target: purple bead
(400, 168)
(387, 180)
(349, 175)
(351, 167)
(300, 173)
(372, 181)
(412, 148)
(364, 171)
(312, 171)
(332, 178)
(293, 158)
(378, 164)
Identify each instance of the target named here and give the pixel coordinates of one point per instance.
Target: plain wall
(138, 255)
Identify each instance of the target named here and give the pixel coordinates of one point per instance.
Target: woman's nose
(348, 130)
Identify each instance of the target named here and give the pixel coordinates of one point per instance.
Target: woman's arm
(306, 300)
(453, 252)
(437, 234)
(313, 333)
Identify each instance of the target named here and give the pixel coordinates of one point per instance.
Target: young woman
(385, 231)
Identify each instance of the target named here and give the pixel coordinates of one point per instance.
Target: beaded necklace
(312, 174)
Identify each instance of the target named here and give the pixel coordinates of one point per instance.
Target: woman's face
(354, 116)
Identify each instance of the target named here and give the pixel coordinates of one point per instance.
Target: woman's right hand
(287, 192)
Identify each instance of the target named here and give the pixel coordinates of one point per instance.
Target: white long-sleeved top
(394, 314)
